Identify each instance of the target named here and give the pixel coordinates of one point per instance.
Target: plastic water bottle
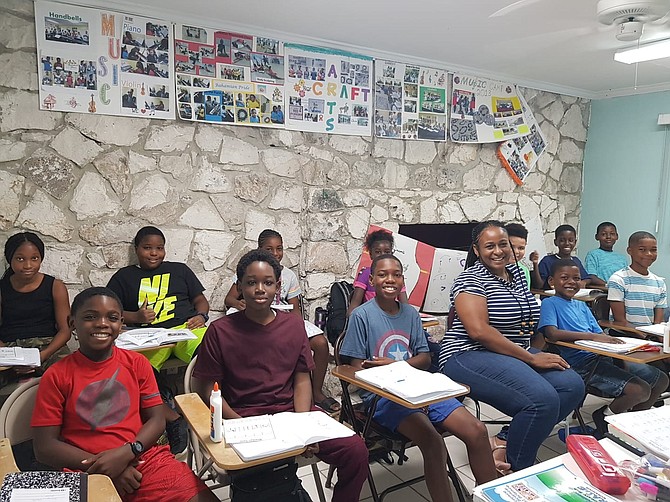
(216, 410)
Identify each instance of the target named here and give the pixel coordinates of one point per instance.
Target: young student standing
(162, 294)
(262, 361)
(637, 296)
(99, 411)
(376, 243)
(601, 263)
(383, 331)
(565, 240)
(288, 293)
(634, 387)
(518, 238)
(33, 307)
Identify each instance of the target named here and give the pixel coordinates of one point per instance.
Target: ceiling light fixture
(647, 52)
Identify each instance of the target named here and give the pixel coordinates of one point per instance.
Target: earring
(74, 333)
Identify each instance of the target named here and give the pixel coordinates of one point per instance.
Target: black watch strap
(137, 448)
(204, 315)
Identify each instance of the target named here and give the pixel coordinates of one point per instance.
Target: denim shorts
(389, 414)
(611, 379)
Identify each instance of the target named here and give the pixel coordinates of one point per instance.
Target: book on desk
(45, 485)
(556, 484)
(647, 430)
(283, 432)
(629, 345)
(411, 384)
(144, 338)
(19, 356)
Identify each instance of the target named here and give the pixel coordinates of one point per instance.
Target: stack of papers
(19, 356)
(292, 431)
(649, 428)
(413, 385)
(628, 345)
(145, 338)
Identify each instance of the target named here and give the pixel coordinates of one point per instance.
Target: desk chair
(383, 441)
(15, 416)
(196, 456)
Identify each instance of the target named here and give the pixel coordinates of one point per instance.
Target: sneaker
(659, 403)
(599, 420)
(177, 434)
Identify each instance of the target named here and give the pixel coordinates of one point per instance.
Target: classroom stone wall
(87, 183)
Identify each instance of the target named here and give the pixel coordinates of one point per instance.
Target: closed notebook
(37, 485)
(413, 385)
(19, 356)
(292, 431)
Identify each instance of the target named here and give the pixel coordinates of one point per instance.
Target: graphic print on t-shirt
(154, 290)
(103, 403)
(394, 344)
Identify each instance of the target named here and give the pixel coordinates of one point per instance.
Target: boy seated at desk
(382, 331)
(604, 261)
(633, 386)
(262, 362)
(99, 410)
(565, 239)
(637, 296)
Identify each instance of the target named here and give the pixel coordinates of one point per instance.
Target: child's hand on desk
(606, 339)
(110, 462)
(146, 313)
(311, 450)
(377, 361)
(128, 481)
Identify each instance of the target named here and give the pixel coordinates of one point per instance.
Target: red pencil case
(598, 466)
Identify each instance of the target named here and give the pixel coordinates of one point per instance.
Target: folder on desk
(411, 384)
(143, 338)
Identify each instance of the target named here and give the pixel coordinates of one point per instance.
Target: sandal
(329, 405)
(502, 466)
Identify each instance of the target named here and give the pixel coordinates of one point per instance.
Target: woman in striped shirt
(488, 347)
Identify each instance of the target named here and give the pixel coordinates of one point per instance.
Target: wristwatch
(137, 448)
(204, 316)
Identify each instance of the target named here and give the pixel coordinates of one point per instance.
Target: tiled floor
(387, 475)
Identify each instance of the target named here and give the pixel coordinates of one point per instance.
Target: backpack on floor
(274, 482)
(338, 304)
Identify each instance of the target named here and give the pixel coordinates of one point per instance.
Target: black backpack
(338, 304)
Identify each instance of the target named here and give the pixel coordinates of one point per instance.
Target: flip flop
(502, 466)
(329, 405)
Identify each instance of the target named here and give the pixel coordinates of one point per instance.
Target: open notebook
(143, 338)
(649, 429)
(290, 431)
(413, 385)
(629, 345)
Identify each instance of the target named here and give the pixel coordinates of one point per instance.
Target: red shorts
(165, 478)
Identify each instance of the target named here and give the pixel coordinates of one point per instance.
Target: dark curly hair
(257, 255)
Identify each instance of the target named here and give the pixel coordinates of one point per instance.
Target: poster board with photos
(519, 155)
(329, 91)
(410, 101)
(485, 111)
(229, 78)
(100, 61)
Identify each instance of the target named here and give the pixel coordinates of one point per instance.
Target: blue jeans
(536, 400)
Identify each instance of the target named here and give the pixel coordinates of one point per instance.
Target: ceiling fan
(629, 16)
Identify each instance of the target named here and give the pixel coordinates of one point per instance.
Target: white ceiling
(554, 45)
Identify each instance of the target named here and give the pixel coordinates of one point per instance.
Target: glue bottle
(216, 409)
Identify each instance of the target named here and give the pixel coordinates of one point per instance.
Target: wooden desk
(634, 357)
(348, 374)
(100, 487)
(197, 415)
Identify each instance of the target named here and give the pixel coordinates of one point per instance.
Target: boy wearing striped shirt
(637, 296)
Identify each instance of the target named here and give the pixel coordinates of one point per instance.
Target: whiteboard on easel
(447, 264)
